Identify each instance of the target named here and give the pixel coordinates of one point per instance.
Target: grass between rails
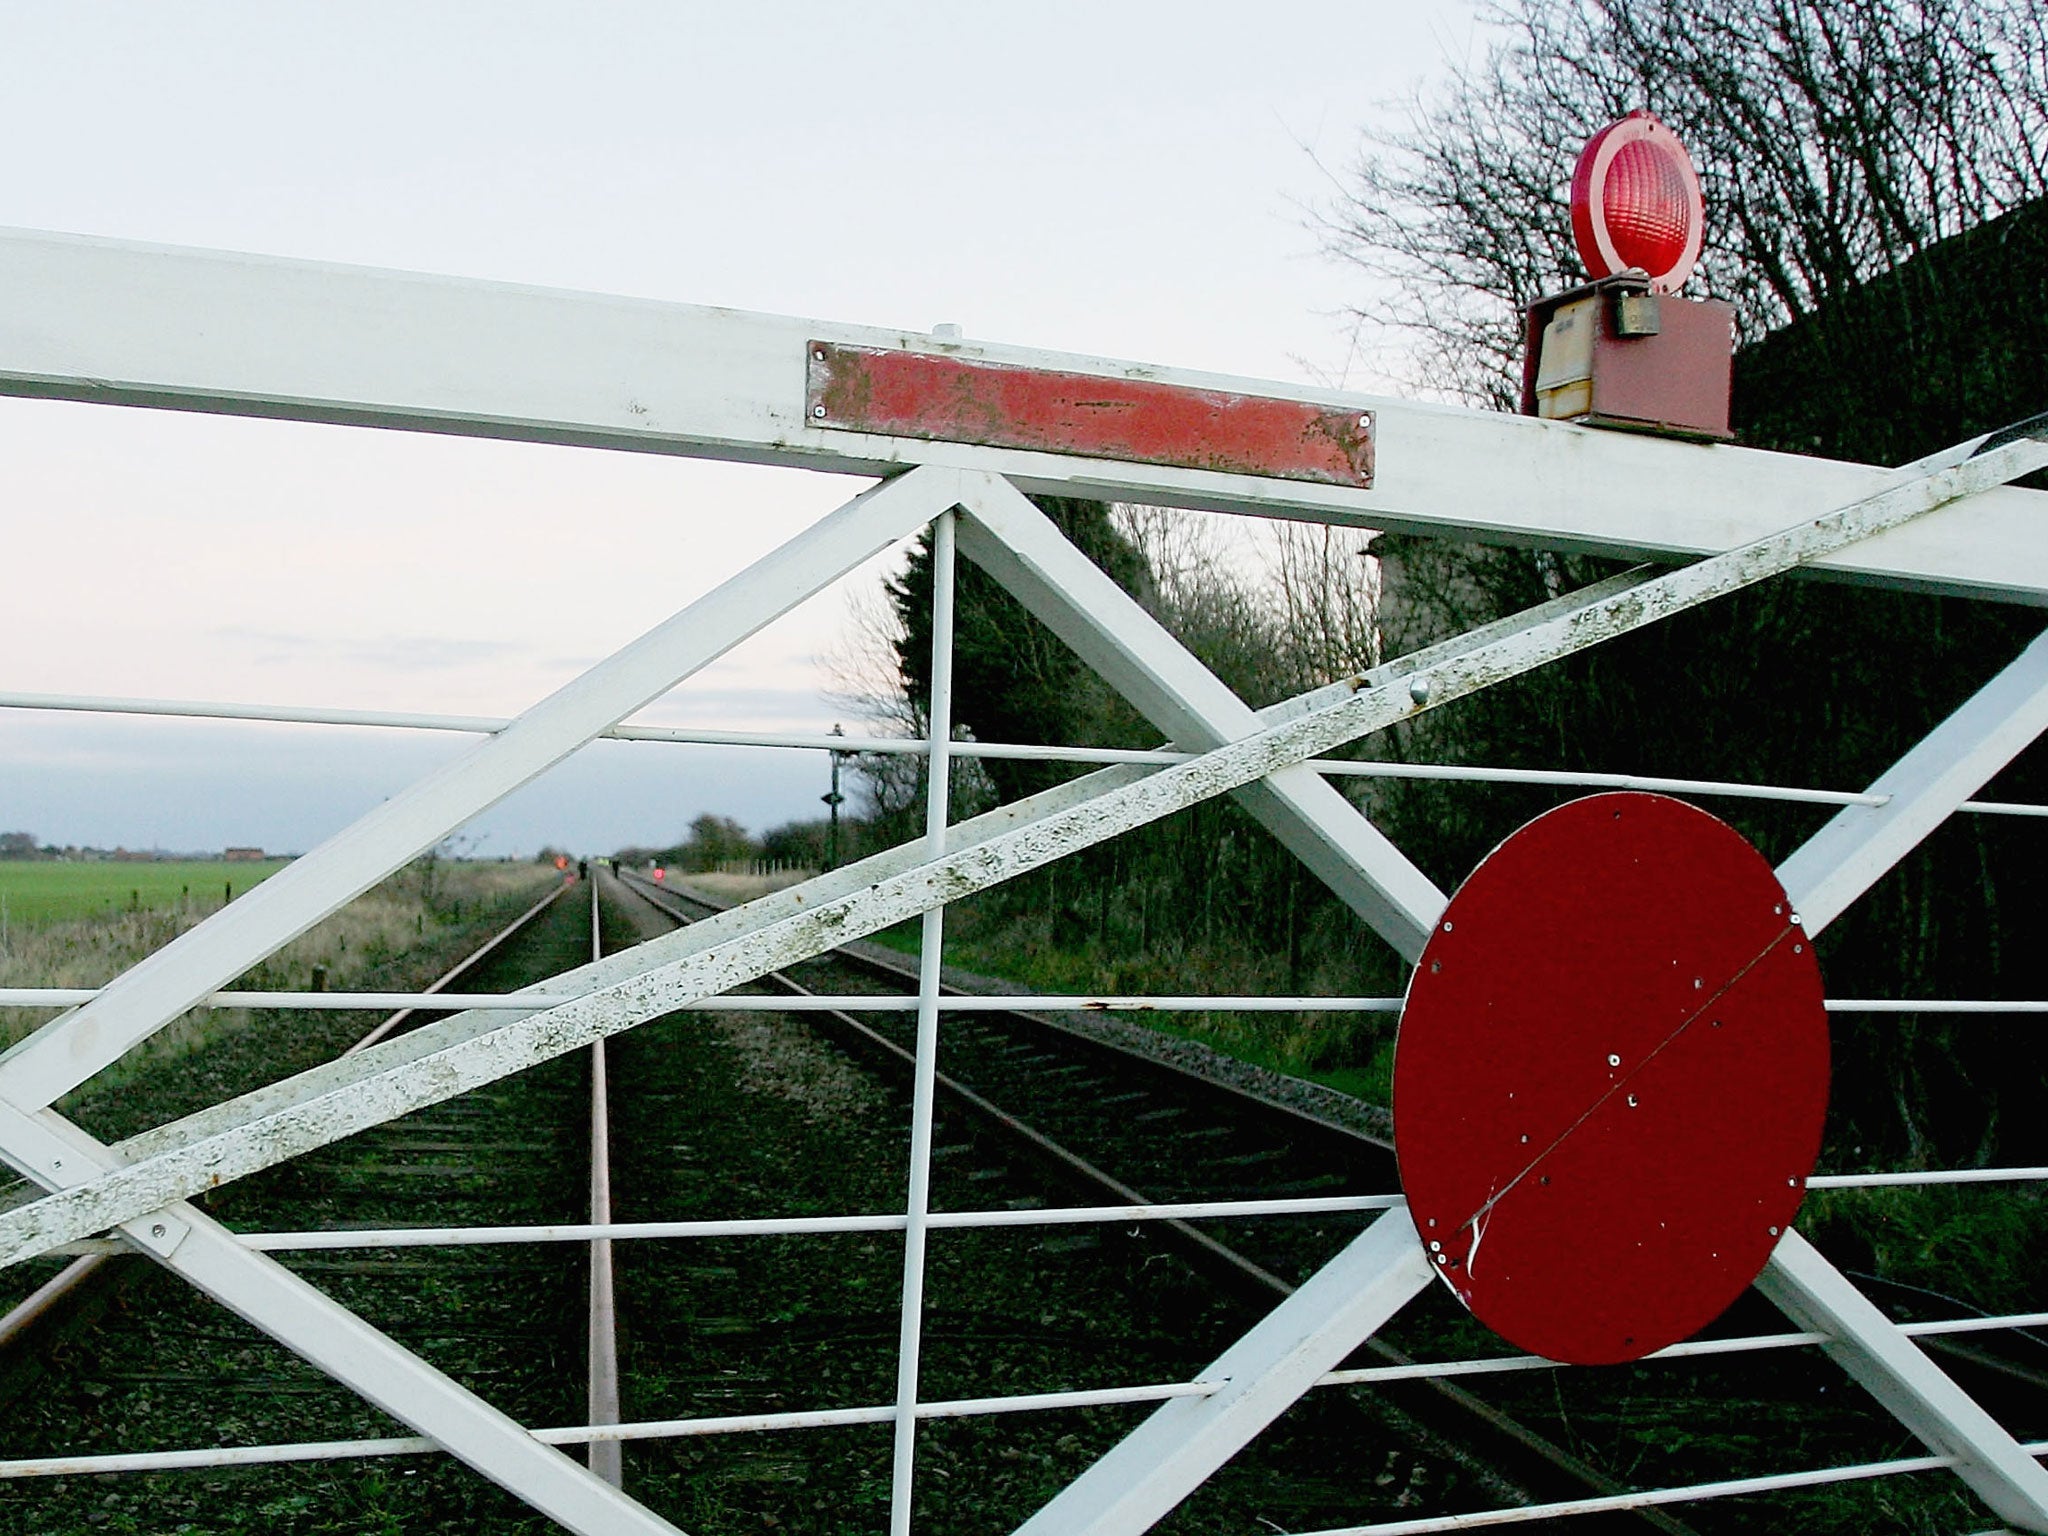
(38, 891)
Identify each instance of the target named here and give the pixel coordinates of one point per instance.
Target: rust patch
(894, 393)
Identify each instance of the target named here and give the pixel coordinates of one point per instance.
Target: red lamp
(1636, 203)
(1624, 350)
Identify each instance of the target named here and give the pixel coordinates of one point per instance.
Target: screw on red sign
(1636, 203)
(1610, 1078)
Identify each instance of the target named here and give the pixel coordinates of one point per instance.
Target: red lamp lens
(1649, 216)
(1635, 202)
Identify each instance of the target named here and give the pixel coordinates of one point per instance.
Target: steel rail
(1439, 1376)
(50, 1298)
(482, 725)
(875, 958)
(468, 964)
(1438, 1370)
(602, 1398)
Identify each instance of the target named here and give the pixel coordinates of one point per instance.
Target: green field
(33, 892)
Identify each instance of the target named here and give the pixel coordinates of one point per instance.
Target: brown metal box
(1612, 354)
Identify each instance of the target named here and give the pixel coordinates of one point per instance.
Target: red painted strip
(916, 394)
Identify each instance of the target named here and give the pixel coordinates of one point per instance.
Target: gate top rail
(124, 323)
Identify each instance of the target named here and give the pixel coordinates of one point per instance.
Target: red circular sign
(1610, 1078)
(1636, 203)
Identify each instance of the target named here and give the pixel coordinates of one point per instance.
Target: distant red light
(1636, 203)
(661, 874)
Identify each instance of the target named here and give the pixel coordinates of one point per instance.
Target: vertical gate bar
(1104, 625)
(938, 777)
(607, 1457)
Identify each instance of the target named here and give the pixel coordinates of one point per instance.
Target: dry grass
(420, 907)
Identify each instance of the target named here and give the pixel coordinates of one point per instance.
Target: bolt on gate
(954, 433)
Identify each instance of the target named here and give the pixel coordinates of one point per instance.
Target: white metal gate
(116, 323)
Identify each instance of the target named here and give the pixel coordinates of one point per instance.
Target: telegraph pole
(833, 800)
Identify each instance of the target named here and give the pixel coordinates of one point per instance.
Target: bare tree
(1274, 609)
(1834, 138)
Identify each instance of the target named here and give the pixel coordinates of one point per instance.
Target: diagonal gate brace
(380, 1089)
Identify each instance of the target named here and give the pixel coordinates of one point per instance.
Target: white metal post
(938, 789)
(607, 1457)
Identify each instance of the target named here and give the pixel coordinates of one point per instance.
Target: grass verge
(37, 892)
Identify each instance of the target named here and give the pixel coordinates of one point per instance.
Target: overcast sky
(1124, 179)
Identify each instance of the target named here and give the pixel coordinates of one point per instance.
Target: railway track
(1114, 1126)
(713, 1116)
(740, 1113)
(1022, 1309)
(1559, 1433)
